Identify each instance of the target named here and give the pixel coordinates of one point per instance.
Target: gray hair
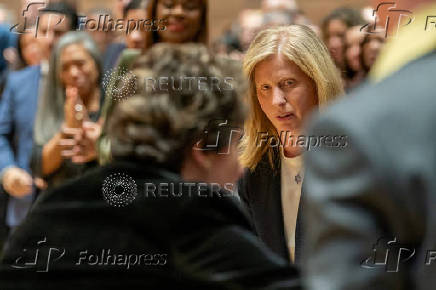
(50, 114)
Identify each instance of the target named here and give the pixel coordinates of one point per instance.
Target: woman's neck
(291, 151)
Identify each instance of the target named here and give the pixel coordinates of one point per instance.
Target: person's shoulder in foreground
(127, 220)
(19, 77)
(380, 186)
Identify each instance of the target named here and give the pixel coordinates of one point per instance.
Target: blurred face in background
(251, 22)
(119, 7)
(31, 52)
(52, 26)
(78, 69)
(334, 40)
(371, 49)
(275, 5)
(183, 19)
(277, 18)
(353, 39)
(136, 37)
(102, 37)
(285, 93)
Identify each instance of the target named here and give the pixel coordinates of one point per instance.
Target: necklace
(298, 178)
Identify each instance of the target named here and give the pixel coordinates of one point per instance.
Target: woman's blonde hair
(303, 47)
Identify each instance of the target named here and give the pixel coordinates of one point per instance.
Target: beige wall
(223, 12)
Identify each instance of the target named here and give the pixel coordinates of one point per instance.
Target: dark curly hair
(349, 16)
(162, 123)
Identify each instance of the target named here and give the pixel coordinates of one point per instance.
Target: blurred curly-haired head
(183, 97)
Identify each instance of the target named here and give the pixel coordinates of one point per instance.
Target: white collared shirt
(291, 181)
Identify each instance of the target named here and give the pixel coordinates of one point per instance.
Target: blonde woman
(291, 74)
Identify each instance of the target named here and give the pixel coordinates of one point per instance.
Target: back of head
(178, 91)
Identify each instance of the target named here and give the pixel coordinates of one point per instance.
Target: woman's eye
(288, 83)
(168, 4)
(191, 6)
(265, 87)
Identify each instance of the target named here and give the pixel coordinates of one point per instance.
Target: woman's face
(182, 17)
(285, 93)
(372, 48)
(78, 69)
(136, 38)
(353, 38)
(336, 30)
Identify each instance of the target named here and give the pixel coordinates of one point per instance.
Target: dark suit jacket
(260, 191)
(382, 185)
(203, 242)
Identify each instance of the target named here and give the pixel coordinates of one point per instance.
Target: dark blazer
(260, 192)
(382, 185)
(200, 241)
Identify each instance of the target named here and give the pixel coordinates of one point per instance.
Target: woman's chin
(292, 151)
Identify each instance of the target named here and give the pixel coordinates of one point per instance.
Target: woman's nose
(74, 71)
(177, 10)
(279, 98)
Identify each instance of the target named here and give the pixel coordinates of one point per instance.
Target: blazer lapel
(298, 229)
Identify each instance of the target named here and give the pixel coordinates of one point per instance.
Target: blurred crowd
(353, 48)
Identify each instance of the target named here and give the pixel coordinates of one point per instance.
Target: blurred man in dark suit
(370, 206)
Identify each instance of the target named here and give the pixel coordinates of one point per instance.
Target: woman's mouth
(285, 117)
(176, 27)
